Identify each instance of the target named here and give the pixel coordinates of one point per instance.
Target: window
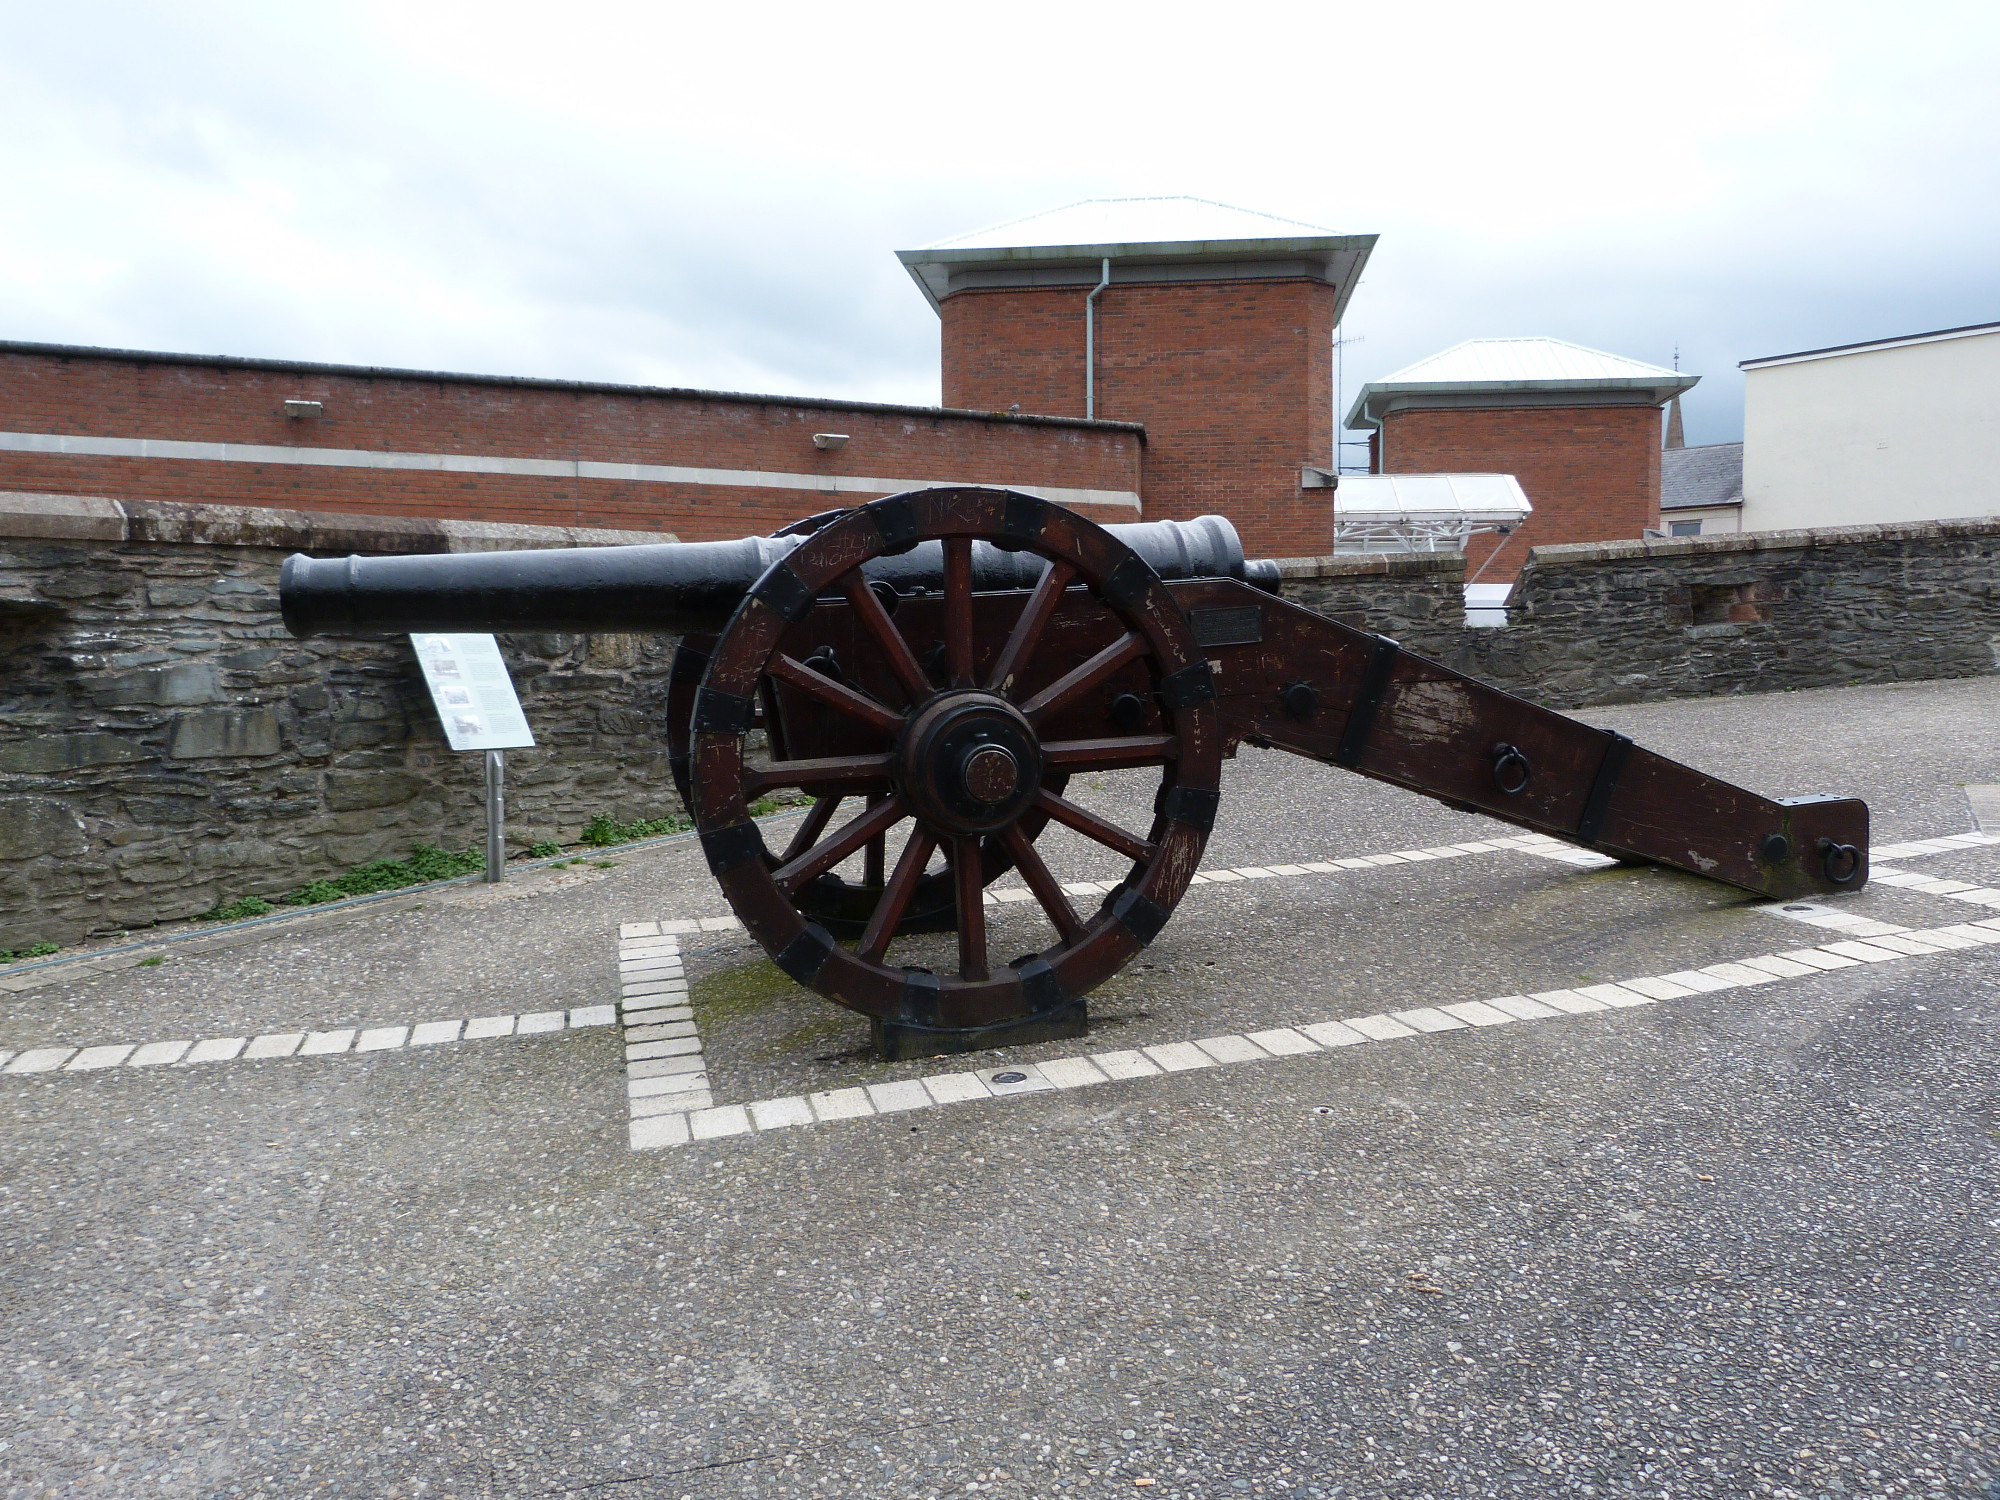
(1685, 528)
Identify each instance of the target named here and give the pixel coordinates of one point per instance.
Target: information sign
(474, 695)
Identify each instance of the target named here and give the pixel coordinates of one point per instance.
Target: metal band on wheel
(964, 764)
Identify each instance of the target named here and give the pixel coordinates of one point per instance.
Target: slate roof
(1691, 477)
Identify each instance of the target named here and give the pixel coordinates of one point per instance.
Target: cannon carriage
(934, 667)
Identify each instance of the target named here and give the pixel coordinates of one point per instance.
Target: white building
(1903, 429)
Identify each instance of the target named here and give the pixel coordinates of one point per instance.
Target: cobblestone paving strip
(345, 1041)
(687, 1112)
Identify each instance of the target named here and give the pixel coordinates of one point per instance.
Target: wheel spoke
(833, 694)
(1111, 755)
(1091, 826)
(810, 830)
(1054, 901)
(875, 620)
(1085, 677)
(824, 855)
(850, 773)
(895, 897)
(1020, 647)
(958, 608)
(967, 869)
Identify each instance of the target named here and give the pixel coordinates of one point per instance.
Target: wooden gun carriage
(948, 659)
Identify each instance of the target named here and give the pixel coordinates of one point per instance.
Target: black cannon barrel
(672, 586)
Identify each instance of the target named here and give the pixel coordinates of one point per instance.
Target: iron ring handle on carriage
(1511, 771)
(1842, 862)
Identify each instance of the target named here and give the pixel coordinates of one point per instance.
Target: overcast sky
(710, 196)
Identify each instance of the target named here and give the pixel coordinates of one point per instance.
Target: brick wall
(241, 402)
(1233, 382)
(1591, 472)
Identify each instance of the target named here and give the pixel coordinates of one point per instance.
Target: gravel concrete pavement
(1740, 1243)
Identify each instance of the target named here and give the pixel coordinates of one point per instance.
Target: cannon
(942, 662)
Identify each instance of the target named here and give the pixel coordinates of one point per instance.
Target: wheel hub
(969, 763)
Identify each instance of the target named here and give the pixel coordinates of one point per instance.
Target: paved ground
(1741, 1243)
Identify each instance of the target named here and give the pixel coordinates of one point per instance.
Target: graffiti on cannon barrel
(937, 665)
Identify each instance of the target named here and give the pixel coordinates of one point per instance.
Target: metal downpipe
(1090, 345)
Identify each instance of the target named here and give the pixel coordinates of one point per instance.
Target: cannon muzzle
(672, 587)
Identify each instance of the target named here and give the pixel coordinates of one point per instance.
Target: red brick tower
(1212, 326)
(1579, 428)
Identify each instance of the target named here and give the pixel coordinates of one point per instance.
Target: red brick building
(700, 464)
(1198, 379)
(1210, 326)
(1580, 430)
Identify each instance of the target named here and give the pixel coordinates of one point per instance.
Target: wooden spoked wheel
(963, 763)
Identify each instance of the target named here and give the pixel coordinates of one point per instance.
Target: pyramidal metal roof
(1524, 372)
(1145, 239)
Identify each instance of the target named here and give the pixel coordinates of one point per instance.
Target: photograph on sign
(475, 697)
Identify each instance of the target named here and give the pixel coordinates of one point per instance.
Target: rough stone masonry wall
(1629, 622)
(164, 742)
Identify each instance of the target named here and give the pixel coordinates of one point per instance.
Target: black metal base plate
(897, 1042)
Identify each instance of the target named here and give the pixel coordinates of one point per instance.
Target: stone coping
(1572, 553)
(90, 518)
(1364, 564)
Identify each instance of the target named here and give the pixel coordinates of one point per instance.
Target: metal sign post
(496, 816)
(478, 708)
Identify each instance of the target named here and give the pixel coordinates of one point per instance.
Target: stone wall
(164, 742)
(1627, 622)
(1417, 599)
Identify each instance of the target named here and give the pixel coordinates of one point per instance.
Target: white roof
(1145, 239)
(1492, 372)
(1482, 360)
(1902, 341)
(1391, 499)
(1131, 221)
